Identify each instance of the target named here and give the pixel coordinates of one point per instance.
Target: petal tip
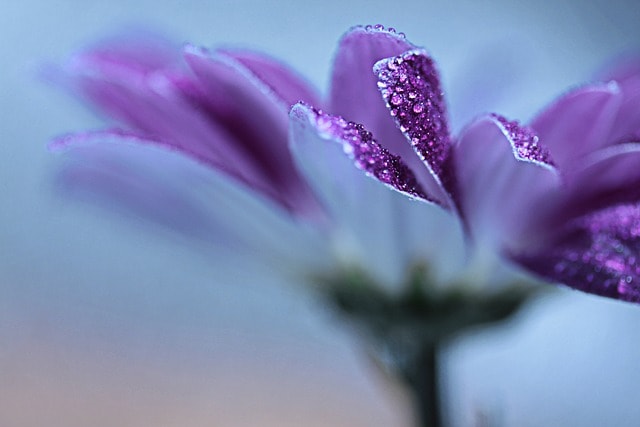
(524, 142)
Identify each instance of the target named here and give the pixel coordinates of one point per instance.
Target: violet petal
(364, 151)
(157, 104)
(598, 253)
(386, 237)
(251, 111)
(607, 177)
(285, 83)
(626, 73)
(354, 94)
(578, 123)
(410, 85)
(502, 172)
(146, 181)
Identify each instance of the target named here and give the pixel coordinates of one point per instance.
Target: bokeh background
(106, 320)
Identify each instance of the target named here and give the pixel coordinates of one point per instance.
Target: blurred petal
(254, 113)
(411, 88)
(140, 177)
(627, 74)
(159, 104)
(598, 253)
(501, 173)
(354, 94)
(378, 228)
(579, 122)
(146, 85)
(285, 83)
(608, 177)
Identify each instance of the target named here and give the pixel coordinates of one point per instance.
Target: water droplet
(396, 99)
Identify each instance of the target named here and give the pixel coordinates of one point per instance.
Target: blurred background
(108, 321)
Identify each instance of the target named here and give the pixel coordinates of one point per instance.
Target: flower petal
(502, 172)
(411, 88)
(579, 122)
(159, 104)
(284, 82)
(354, 94)
(627, 74)
(252, 112)
(598, 253)
(170, 105)
(384, 228)
(364, 151)
(607, 177)
(142, 177)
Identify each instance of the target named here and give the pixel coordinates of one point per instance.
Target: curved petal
(502, 173)
(607, 177)
(159, 104)
(382, 229)
(363, 150)
(411, 88)
(286, 84)
(626, 73)
(354, 94)
(258, 118)
(143, 178)
(598, 253)
(579, 122)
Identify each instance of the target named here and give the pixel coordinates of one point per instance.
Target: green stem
(422, 376)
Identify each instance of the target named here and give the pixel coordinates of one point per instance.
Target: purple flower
(558, 197)
(227, 109)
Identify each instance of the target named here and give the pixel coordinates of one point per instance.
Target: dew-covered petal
(149, 181)
(410, 85)
(285, 83)
(364, 151)
(251, 110)
(598, 253)
(354, 94)
(579, 122)
(502, 175)
(377, 225)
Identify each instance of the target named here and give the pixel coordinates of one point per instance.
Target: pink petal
(354, 94)
(578, 123)
(502, 176)
(597, 253)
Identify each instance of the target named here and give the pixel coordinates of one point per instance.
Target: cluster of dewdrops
(380, 27)
(368, 155)
(525, 142)
(610, 263)
(410, 86)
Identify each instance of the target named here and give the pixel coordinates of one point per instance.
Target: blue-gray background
(107, 321)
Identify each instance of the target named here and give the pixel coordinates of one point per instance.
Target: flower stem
(422, 376)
